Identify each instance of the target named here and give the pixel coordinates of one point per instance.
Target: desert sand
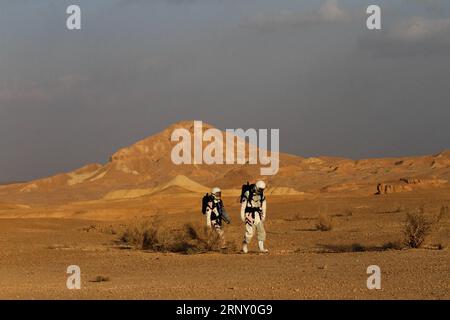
(77, 218)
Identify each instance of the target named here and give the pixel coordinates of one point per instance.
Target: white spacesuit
(214, 214)
(253, 214)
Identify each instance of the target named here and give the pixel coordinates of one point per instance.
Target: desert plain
(329, 219)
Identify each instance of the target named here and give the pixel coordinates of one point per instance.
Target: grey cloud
(71, 98)
(329, 12)
(43, 92)
(145, 2)
(21, 95)
(419, 28)
(410, 37)
(431, 5)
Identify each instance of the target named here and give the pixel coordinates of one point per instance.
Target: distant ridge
(145, 168)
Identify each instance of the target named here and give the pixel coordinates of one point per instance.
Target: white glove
(208, 218)
(243, 206)
(263, 214)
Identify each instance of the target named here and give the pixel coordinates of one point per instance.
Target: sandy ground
(303, 263)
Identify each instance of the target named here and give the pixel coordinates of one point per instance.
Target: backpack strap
(251, 193)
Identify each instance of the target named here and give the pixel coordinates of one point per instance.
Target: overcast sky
(309, 68)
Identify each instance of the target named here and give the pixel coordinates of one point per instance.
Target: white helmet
(216, 192)
(260, 185)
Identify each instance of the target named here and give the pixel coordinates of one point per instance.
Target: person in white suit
(254, 214)
(215, 213)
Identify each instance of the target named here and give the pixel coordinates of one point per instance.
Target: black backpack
(251, 191)
(206, 198)
(247, 187)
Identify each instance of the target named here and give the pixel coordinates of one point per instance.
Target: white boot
(245, 248)
(261, 247)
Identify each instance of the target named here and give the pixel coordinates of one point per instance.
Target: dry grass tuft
(324, 223)
(443, 212)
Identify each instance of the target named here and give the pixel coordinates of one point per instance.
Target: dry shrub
(392, 245)
(348, 213)
(109, 229)
(416, 229)
(324, 223)
(195, 239)
(100, 279)
(148, 236)
(357, 247)
(142, 236)
(90, 228)
(189, 240)
(397, 209)
(442, 213)
(296, 217)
